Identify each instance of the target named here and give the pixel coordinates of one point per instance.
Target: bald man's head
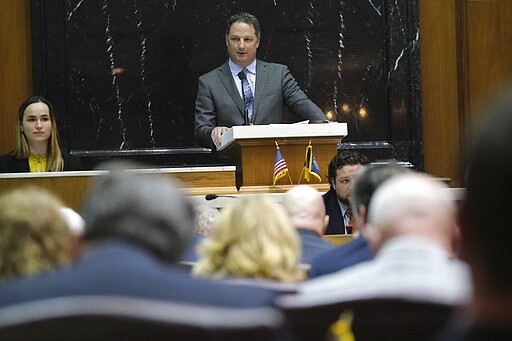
(306, 209)
(415, 205)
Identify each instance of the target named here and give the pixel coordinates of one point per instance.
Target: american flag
(280, 167)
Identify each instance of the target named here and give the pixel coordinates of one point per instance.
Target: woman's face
(37, 125)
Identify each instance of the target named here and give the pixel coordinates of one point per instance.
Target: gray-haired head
(148, 209)
(413, 204)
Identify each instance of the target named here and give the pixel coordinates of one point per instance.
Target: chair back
(121, 318)
(367, 319)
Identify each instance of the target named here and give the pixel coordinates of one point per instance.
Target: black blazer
(10, 164)
(332, 209)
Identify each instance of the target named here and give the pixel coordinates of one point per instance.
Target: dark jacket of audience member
(485, 232)
(341, 257)
(312, 245)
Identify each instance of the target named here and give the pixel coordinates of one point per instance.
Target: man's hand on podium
(217, 135)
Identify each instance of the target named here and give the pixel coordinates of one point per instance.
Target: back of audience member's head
(412, 205)
(147, 209)
(344, 158)
(487, 210)
(306, 209)
(205, 219)
(253, 238)
(34, 236)
(365, 184)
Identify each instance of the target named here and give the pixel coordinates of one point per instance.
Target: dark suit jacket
(125, 269)
(341, 257)
(219, 103)
(332, 209)
(312, 245)
(190, 254)
(10, 164)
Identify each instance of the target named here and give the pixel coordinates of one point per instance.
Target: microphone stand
(241, 76)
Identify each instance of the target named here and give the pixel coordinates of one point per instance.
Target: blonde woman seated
(253, 239)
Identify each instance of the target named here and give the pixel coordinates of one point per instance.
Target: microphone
(241, 76)
(213, 196)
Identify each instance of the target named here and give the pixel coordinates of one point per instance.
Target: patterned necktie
(349, 226)
(249, 99)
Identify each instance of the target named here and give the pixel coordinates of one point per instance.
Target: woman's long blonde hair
(253, 238)
(54, 160)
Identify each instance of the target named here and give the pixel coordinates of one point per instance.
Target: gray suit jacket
(219, 103)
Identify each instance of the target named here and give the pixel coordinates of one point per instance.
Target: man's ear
(333, 183)
(373, 237)
(361, 214)
(326, 222)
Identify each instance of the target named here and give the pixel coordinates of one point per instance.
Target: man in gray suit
(223, 100)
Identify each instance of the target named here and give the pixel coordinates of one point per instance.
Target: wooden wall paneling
(440, 82)
(488, 35)
(15, 65)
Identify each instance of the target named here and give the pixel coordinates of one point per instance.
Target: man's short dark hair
(342, 159)
(245, 18)
(371, 177)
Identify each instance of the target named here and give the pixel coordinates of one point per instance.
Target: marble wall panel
(123, 73)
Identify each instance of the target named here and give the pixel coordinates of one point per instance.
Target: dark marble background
(122, 74)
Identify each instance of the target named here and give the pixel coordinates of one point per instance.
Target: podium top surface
(283, 131)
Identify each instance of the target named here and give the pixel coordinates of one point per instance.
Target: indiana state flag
(310, 164)
(280, 167)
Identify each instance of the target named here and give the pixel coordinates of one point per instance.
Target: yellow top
(37, 163)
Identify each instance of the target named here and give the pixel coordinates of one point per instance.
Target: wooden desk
(71, 187)
(338, 239)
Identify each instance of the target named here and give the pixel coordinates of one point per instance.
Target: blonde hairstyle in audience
(253, 238)
(35, 236)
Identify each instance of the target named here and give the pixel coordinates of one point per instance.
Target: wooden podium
(253, 150)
